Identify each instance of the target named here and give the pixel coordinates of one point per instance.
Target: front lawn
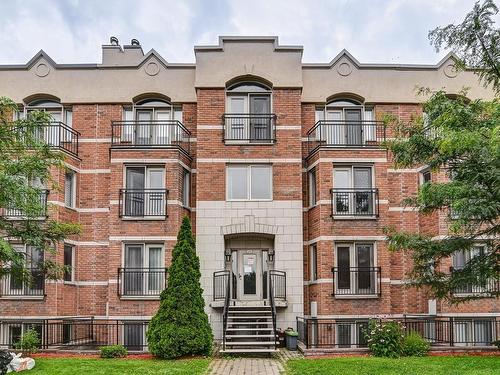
(74, 366)
(403, 366)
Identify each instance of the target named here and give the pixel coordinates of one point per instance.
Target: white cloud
(373, 30)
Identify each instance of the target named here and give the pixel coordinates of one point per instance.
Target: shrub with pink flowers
(385, 338)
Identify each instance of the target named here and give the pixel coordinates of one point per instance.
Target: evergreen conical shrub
(180, 327)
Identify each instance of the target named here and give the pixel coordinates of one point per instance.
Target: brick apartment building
(279, 165)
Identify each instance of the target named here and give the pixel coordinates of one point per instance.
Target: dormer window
(248, 116)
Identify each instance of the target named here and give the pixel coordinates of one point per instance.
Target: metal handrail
(354, 202)
(273, 308)
(374, 275)
(225, 310)
(134, 203)
(140, 285)
(247, 131)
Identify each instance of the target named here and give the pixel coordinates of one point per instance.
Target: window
(70, 189)
(249, 182)
(69, 266)
(151, 122)
(353, 194)
(425, 177)
(473, 332)
(313, 259)
(134, 336)
(186, 191)
(144, 270)
(248, 113)
(14, 331)
(346, 122)
(351, 334)
(312, 188)
(144, 193)
(14, 285)
(460, 260)
(355, 273)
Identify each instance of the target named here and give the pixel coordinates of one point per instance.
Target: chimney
(114, 55)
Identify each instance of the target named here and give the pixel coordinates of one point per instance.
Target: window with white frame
(143, 272)
(425, 176)
(346, 122)
(313, 263)
(69, 262)
(249, 182)
(186, 187)
(312, 188)
(473, 332)
(16, 285)
(355, 272)
(151, 122)
(144, 193)
(70, 189)
(353, 192)
(351, 334)
(460, 259)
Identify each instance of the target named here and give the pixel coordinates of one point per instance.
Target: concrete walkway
(252, 365)
(245, 366)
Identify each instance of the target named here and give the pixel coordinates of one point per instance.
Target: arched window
(249, 115)
(151, 121)
(346, 121)
(58, 112)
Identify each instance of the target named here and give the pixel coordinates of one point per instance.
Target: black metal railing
(354, 202)
(272, 304)
(17, 285)
(357, 281)
(249, 128)
(77, 333)
(57, 135)
(330, 133)
(16, 213)
(141, 282)
(438, 331)
(278, 283)
(152, 134)
(138, 203)
(220, 284)
(491, 287)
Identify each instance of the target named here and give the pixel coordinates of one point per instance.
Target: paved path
(252, 366)
(245, 366)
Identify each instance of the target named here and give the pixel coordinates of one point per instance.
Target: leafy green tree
(180, 327)
(25, 157)
(461, 139)
(476, 42)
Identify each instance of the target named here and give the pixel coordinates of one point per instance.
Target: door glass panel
(344, 335)
(260, 126)
(156, 276)
(132, 279)
(343, 267)
(134, 196)
(161, 131)
(155, 199)
(333, 132)
(144, 127)
(237, 127)
(364, 262)
(249, 274)
(353, 126)
(264, 274)
(364, 198)
(341, 180)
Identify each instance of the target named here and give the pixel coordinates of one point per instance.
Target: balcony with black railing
(14, 285)
(356, 281)
(489, 288)
(57, 135)
(358, 203)
(143, 203)
(249, 128)
(141, 282)
(150, 134)
(346, 134)
(13, 213)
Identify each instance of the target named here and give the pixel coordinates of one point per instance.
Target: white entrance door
(250, 274)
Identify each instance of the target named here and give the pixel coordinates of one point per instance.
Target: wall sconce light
(227, 255)
(270, 255)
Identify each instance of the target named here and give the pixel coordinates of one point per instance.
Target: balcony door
(15, 285)
(355, 272)
(145, 191)
(260, 125)
(153, 127)
(143, 272)
(352, 191)
(51, 133)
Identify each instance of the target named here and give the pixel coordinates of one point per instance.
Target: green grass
(72, 366)
(403, 366)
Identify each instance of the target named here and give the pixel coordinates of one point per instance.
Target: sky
(374, 31)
